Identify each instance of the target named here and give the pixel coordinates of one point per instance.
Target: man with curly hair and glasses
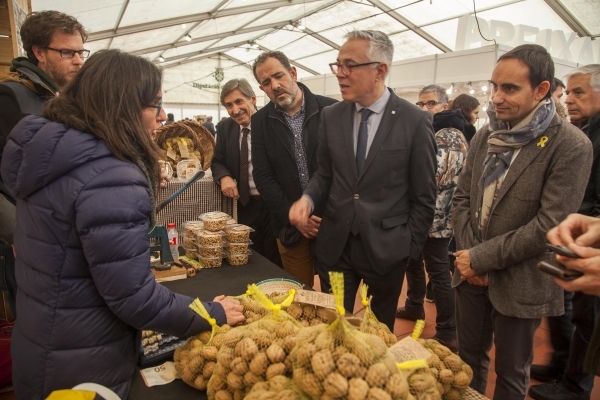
(54, 45)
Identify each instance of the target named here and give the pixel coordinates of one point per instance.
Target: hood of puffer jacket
(39, 151)
(449, 119)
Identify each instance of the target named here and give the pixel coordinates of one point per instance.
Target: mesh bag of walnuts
(277, 388)
(370, 323)
(195, 361)
(338, 361)
(254, 353)
(306, 314)
(452, 373)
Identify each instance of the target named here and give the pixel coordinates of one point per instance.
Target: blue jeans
(435, 255)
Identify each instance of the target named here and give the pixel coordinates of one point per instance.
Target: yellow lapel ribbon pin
(542, 142)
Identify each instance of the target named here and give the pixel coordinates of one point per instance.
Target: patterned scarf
(502, 144)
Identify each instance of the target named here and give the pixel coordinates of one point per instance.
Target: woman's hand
(233, 309)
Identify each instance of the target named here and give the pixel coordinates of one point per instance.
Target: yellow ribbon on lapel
(542, 142)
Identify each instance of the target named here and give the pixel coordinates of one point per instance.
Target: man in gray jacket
(525, 172)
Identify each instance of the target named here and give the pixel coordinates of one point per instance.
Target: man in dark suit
(284, 149)
(525, 172)
(232, 166)
(376, 178)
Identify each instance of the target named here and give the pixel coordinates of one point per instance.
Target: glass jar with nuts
(207, 238)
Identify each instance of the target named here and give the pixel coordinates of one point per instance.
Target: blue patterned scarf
(503, 142)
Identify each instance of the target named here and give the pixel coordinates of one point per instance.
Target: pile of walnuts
(277, 388)
(371, 325)
(339, 362)
(307, 314)
(453, 374)
(251, 354)
(196, 360)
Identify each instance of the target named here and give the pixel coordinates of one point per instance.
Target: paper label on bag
(160, 375)
(409, 349)
(171, 154)
(183, 150)
(319, 299)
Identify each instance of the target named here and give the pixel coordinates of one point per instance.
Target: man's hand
(576, 228)
(229, 188)
(300, 217)
(478, 281)
(233, 309)
(463, 264)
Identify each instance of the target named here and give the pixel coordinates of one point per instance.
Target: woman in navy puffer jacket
(85, 177)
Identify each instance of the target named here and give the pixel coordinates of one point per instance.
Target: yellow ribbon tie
(542, 142)
(363, 295)
(336, 280)
(412, 364)
(418, 330)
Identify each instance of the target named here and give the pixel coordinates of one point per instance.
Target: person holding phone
(581, 234)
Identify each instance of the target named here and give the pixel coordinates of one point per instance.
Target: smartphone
(558, 270)
(562, 250)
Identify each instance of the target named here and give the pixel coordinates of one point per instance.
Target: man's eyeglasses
(430, 104)
(347, 68)
(71, 53)
(158, 107)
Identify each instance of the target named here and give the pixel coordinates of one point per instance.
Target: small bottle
(173, 240)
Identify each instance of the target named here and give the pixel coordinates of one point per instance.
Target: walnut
(378, 394)
(453, 362)
(461, 380)
(335, 385)
(196, 364)
(239, 366)
(275, 353)
(304, 354)
(246, 349)
(339, 351)
(288, 343)
(208, 370)
(251, 379)
(312, 385)
(309, 311)
(238, 395)
(357, 389)
(209, 353)
(261, 337)
(223, 395)
(285, 329)
(278, 383)
(396, 386)
(324, 341)
(216, 383)
(295, 310)
(377, 375)
(200, 382)
(322, 363)
(348, 364)
(259, 364)
(452, 394)
(225, 356)
(446, 376)
(274, 370)
(234, 381)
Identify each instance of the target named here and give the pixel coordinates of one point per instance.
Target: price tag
(171, 154)
(183, 150)
(319, 299)
(409, 349)
(160, 375)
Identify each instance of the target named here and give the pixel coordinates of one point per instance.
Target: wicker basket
(203, 140)
(278, 285)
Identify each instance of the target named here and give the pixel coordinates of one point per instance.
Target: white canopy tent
(191, 38)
